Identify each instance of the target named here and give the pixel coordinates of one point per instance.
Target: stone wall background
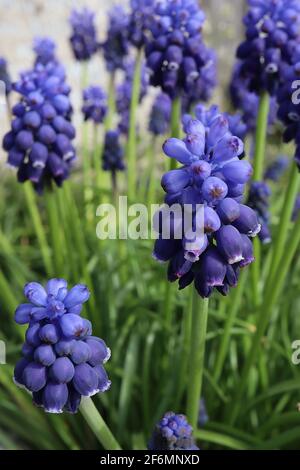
(22, 20)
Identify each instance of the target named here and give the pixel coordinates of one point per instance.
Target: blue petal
(35, 293)
(54, 285)
(55, 397)
(77, 295)
(176, 148)
(238, 172)
(228, 148)
(34, 377)
(85, 380)
(100, 353)
(72, 325)
(175, 180)
(23, 314)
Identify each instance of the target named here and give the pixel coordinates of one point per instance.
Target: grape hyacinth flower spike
(112, 159)
(94, 104)
(272, 28)
(160, 117)
(124, 94)
(141, 12)
(62, 361)
(39, 143)
(84, 37)
(45, 49)
(277, 168)
(212, 175)
(116, 46)
(176, 55)
(173, 432)
(247, 101)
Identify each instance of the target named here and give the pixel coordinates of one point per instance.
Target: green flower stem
(86, 161)
(255, 270)
(55, 231)
(151, 180)
(261, 136)
(111, 105)
(196, 361)
(186, 329)
(30, 198)
(258, 171)
(264, 317)
(234, 306)
(131, 142)
(175, 125)
(66, 223)
(76, 227)
(97, 156)
(168, 304)
(98, 425)
(175, 132)
(284, 222)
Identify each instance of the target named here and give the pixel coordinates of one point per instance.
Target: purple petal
(176, 148)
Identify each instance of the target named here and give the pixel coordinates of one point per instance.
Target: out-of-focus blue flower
(258, 200)
(94, 104)
(296, 210)
(203, 416)
(179, 61)
(124, 93)
(247, 102)
(173, 432)
(236, 125)
(201, 90)
(212, 175)
(277, 168)
(39, 143)
(84, 37)
(44, 48)
(289, 108)
(61, 360)
(141, 12)
(272, 28)
(116, 46)
(113, 153)
(160, 116)
(4, 76)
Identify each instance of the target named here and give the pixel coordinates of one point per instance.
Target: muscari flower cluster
(4, 76)
(94, 104)
(272, 27)
(277, 168)
(39, 143)
(61, 360)
(44, 48)
(179, 61)
(258, 200)
(173, 432)
(140, 16)
(289, 107)
(247, 102)
(116, 46)
(84, 38)
(124, 93)
(213, 176)
(112, 159)
(160, 117)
